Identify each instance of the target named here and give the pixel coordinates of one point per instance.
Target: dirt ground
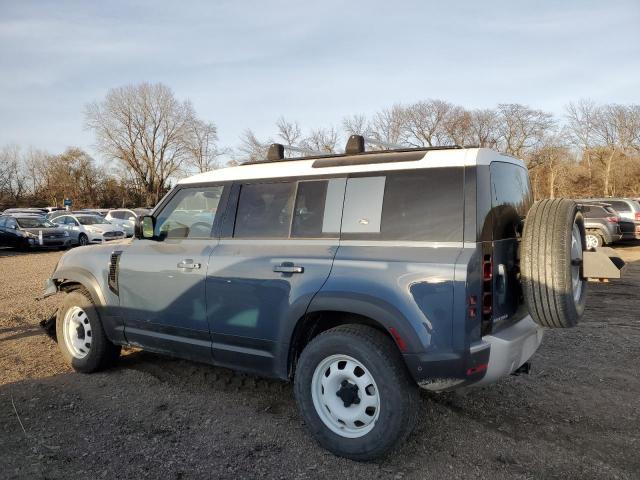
(577, 415)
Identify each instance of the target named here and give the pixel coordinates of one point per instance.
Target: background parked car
(85, 229)
(37, 211)
(602, 225)
(626, 207)
(126, 218)
(31, 231)
(95, 211)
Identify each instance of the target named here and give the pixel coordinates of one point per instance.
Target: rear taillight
(487, 268)
(473, 306)
(612, 219)
(638, 216)
(487, 288)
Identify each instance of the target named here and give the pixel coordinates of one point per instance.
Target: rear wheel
(354, 392)
(551, 263)
(594, 240)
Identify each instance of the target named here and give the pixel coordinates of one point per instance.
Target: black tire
(598, 239)
(552, 282)
(102, 353)
(398, 393)
(83, 240)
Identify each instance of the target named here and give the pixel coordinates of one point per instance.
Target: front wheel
(83, 240)
(354, 392)
(80, 335)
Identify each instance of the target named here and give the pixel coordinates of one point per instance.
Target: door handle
(188, 264)
(288, 267)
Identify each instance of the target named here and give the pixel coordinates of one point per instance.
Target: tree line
(148, 138)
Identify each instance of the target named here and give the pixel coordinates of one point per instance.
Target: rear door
(278, 244)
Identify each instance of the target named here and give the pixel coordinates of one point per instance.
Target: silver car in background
(126, 218)
(86, 229)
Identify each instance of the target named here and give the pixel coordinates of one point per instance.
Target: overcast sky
(245, 63)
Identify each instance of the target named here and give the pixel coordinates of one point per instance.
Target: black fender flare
(410, 336)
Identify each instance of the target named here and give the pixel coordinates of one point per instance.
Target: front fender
(81, 276)
(88, 267)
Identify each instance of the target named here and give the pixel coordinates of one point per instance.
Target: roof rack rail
(355, 146)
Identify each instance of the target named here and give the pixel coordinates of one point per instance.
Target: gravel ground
(576, 416)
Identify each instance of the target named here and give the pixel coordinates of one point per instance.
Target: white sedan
(126, 218)
(86, 229)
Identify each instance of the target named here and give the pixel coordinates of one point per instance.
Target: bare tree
(484, 125)
(252, 149)
(356, 125)
(12, 179)
(522, 128)
(322, 140)
(202, 146)
(424, 125)
(144, 127)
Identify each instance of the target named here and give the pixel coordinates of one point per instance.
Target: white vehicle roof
(454, 157)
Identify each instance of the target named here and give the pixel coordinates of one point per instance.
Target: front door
(161, 280)
(268, 266)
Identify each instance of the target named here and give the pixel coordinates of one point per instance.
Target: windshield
(91, 220)
(35, 222)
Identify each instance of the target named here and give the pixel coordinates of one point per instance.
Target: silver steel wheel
(77, 332)
(345, 396)
(576, 261)
(592, 241)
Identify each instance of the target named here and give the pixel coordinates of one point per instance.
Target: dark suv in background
(602, 225)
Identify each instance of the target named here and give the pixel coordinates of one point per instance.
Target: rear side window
(511, 198)
(309, 209)
(620, 206)
(417, 205)
(264, 210)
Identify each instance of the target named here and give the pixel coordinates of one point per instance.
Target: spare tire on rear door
(551, 262)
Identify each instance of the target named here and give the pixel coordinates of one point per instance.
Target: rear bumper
(509, 349)
(486, 361)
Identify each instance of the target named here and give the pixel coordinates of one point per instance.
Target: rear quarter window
(417, 205)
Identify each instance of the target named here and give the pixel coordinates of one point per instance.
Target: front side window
(264, 210)
(189, 214)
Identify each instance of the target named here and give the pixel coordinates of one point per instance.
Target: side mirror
(144, 227)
